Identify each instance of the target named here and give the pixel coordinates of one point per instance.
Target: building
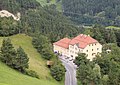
(80, 44)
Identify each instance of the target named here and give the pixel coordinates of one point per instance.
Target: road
(70, 75)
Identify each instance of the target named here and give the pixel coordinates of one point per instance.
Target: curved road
(70, 75)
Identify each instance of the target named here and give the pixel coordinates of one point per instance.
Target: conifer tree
(8, 52)
(21, 60)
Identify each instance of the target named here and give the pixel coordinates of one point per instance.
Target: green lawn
(36, 63)
(4, 84)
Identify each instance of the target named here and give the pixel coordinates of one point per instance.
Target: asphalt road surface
(70, 75)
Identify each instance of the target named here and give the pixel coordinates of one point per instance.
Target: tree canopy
(35, 18)
(15, 59)
(103, 70)
(88, 12)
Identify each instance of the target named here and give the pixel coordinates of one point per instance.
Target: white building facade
(80, 44)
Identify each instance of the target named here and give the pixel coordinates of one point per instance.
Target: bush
(32, 74)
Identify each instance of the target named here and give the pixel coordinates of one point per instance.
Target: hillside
(36, 63)
(88, 12)
(9, 76)
(105, 12)
(35, 18)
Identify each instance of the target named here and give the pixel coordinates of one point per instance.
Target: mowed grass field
(9, 76)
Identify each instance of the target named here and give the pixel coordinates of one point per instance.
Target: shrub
(32, 74)
(57, 72)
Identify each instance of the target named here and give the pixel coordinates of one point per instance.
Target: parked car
(70, 59)
(66, 57)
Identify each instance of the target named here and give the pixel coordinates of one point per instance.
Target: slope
(36, 63)
(88, 12)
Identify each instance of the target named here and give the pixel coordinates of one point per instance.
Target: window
(70, 46)
(93, 54)
(95, 43)
(89, 45)
(92, 49)
(81, 50)
(86, 50)
(97, 48)
(92, 44)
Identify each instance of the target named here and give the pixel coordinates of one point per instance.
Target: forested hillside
(41, 25)
(45, 25)
(35, 18)
(87, 12)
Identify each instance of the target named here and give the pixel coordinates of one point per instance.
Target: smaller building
(50, 63)
(80, 44)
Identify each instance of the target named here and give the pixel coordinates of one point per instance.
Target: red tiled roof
(81, 40)
(63, 42)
